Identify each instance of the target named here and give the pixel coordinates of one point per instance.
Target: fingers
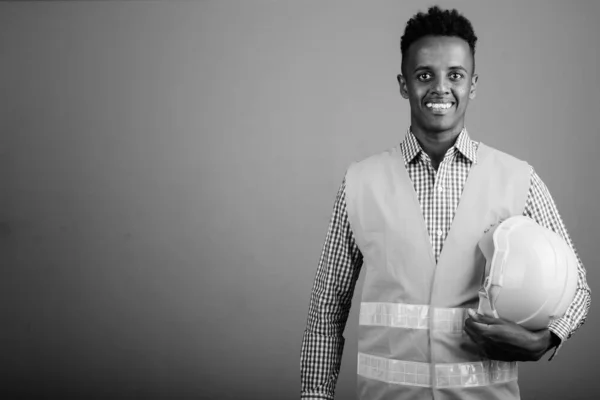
(480, 326)
(476, 326)
(474, 332)
(492, 341)
(477, 331)
(496, 338)
(484, 319)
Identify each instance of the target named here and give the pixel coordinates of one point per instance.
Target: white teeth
(439, 106)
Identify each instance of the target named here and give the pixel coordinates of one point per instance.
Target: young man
(413, 216)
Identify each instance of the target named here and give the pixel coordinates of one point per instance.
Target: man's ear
(403, 89)
(473, 90)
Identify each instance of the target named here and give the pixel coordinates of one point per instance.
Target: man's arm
(542, 209)
(331, 298)
(504, 340)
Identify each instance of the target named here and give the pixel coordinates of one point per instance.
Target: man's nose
(441, 85)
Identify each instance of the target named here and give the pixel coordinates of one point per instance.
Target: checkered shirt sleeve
(331, 298)
(542, 209)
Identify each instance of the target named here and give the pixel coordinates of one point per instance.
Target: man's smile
(437, 107)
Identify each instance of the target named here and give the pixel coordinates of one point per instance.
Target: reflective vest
(411, 342)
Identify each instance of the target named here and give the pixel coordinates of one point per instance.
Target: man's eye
(455, 76)
(424, 76)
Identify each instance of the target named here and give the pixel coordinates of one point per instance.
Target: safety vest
(411, 342)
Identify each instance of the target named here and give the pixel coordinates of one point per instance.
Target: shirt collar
(411, 148)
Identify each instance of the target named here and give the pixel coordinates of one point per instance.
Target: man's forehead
(440, 50)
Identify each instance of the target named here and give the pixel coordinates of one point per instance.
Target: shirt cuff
(561, 329)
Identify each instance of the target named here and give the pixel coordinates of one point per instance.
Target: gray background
(168, 170)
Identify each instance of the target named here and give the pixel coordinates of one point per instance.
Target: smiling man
(412, 216)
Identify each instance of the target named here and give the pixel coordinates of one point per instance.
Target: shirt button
(440, 233)
(440, 188)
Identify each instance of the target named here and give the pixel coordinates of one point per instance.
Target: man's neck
(436, 144)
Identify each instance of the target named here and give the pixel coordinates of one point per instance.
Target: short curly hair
(438, 22)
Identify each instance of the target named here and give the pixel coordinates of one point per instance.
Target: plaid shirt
(341, 260)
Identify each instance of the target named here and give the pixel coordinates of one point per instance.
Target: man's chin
(439, 127)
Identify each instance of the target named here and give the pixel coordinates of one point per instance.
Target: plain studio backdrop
(168, 171)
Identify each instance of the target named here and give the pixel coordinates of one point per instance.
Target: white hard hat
(530, 273)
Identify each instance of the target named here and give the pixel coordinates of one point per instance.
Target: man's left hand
(503, 340)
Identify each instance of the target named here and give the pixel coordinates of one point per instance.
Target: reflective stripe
(410, 373)
(412, 316)
(475, 373)
(394, 371)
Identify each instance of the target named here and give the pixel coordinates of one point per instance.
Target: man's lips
(439, 105)
(440, 100)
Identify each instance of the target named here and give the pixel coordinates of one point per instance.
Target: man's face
(438, 82)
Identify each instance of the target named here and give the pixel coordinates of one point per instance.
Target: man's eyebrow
(459, 67)
(427, 67)
(422, 67)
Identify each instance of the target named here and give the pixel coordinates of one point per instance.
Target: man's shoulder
(500, 155)
(374, 167)
(379, 157)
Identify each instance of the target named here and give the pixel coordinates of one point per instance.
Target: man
(413, 216)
